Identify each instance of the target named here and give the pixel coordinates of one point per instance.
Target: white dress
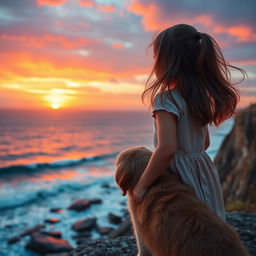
(190, 161)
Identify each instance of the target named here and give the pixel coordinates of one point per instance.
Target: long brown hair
(193, 62)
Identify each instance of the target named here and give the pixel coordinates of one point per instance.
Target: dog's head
(130, 164)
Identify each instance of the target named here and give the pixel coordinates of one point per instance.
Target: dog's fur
(171, 220)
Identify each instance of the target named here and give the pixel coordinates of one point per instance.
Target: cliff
(236, 159)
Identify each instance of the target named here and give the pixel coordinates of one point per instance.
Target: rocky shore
(114, 242)
(125, 245)
(44, 239)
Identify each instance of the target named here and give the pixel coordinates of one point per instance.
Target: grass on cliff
(240, 206)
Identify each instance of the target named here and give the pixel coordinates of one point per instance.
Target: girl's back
(190, 79)
(190, 134)
(191, 162)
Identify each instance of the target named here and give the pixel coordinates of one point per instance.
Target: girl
(195, 90)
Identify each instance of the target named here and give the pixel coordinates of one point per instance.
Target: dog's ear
(130, 164)
(123, 176)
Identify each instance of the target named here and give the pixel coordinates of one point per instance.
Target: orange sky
(88, 54)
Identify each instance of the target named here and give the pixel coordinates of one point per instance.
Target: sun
(56, 99)
(55, 105)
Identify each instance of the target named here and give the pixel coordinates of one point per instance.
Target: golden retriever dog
(171, 220)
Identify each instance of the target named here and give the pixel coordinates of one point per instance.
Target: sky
(92, 54)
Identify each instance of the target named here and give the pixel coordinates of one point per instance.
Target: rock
(123, 203)
(29, 231)
(52, 220)
(243, 222)
(96, 201)
(56, 210)
(32, 230)
(86, 224)
(125, 212)
(114, 218)
(82, 235)
(123, 229)
(43, 244)
(79, 205)
(105, 185)
(14, 239)
(236, 159)
(9, 226)
(56, 234)
(104, 230)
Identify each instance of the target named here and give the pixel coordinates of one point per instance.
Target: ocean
(48, 159)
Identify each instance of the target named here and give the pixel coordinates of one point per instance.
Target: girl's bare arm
(161, 157)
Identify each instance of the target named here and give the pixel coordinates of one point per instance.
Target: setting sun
(55, 106)
(57, 98)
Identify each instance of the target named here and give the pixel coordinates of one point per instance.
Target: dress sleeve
(167, 105)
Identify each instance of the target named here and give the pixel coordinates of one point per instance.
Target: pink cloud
(148, 12)
(242, 33)
(46, 40)
(86, 3)
(117, 46)
(51, 2)
(106, 8)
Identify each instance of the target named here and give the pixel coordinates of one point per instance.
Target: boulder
(95, 201)
(105, 185)
(114, 218)
(52, 220)
(32, 230)
(56, 210)
(124, 229)
(79, 205)
(14, 240)
(56, 234)
(43, 244)
(104, 230)
(85, 225)
(82, 235)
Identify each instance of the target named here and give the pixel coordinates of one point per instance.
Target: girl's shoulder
(168, 100)
(172, 95)
(165, 94)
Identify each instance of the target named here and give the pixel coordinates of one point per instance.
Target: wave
(16, 169)
(31, 193)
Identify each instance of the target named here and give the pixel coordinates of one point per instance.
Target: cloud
(88, 44)
(106, 8)
(242, 33)
(86, 3)
(213, 16)
(51, 2)
(49, 40)
(118, 46)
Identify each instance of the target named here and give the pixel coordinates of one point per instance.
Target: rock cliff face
(236, 159)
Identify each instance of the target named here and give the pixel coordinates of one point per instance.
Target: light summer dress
(191, 162)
